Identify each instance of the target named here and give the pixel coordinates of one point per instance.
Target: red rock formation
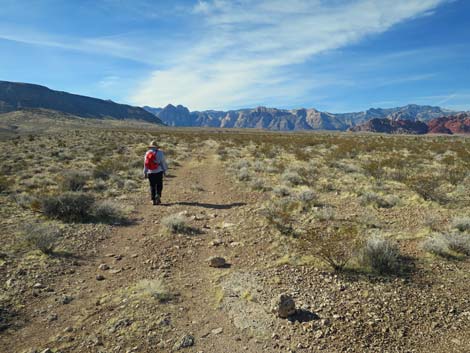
(455, 124)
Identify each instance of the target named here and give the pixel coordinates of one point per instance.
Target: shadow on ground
(207, 205)
(303, 315)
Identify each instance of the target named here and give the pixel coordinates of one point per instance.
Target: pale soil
(119, 314)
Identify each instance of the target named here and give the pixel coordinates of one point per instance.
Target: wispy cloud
(116, 46)
(249, 50)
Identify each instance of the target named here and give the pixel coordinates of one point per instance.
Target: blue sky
(335, 55)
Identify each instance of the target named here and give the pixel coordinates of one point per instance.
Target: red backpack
(151, 160)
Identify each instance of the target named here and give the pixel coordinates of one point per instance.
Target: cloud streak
(248, 51)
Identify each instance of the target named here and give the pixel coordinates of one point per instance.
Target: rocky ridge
(389, 126)
(17, 96)
(456, 124)
(287, 120)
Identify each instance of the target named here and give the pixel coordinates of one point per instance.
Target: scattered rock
(103, 267)
(52, 317)
(217, 261)
(216, 242)
(217, 331)
(115, 271)
(38, 286)
(47, 350)
(66, 299)
(283, 306)
(99, 277)
(184, 342)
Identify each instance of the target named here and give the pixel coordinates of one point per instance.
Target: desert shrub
(292, 177)
(281, 191)
(175, 224)
(380, 201)
(381, 255)
(42, 237)
(108, 167)
(5, 184)
(280, 215)
(335, 246)
(100, 185)
(73, 181)
(374, 168)
(241, 164)
(461, 223)
(259, 184)
(326, 213)
(154, 288)
(69, 207)
(436, 244)
(444, 244)
(258, 166)
(433, 221)
(130, 185)
(243, 174)
(427, 187)
(307, 198)
(107, 212)
(459, 243)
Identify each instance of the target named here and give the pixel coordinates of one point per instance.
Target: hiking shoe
(154, 202)
(157, 201)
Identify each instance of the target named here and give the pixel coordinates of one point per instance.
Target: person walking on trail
(154, 168)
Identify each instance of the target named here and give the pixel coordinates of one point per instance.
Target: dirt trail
(111, 315)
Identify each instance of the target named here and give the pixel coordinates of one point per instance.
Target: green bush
(69, 207)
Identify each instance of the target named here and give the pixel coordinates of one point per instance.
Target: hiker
(154, 168)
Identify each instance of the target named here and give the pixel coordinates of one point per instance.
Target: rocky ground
(140, 288)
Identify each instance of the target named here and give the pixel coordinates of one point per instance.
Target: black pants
(156, 184)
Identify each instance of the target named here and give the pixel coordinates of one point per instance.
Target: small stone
(99, 277)
(47, 350)
(103, 267)
(216, 242)
(217, 261)
(217, 331)
(283, 306)
(184, 342)
(115, 271)
(66, 299)
(52, 317)
(38, 285)
(68, 329)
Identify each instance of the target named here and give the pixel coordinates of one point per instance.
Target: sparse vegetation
(381, 255)
(42, 237)
(74, 181)
(461, 223)
(322, 196)
(69, 207)
(176, 224)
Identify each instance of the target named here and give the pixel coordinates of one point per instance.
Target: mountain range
(408, 119)
(16, 96)
(453, 124)
(294, 119)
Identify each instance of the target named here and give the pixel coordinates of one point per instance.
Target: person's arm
(145, 168)
(163, 162)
